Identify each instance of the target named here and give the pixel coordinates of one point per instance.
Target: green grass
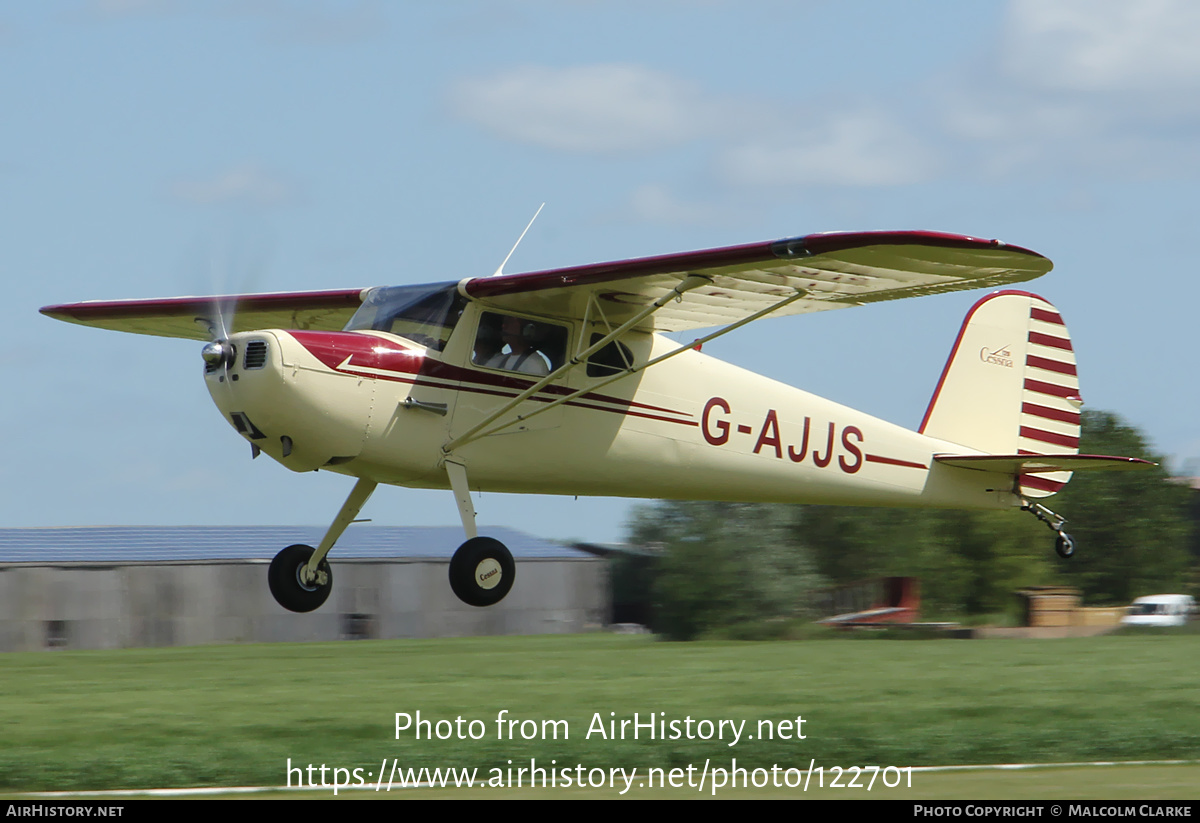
(1111, 782)
(233, 715)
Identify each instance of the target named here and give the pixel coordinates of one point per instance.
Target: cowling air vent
(256, 354)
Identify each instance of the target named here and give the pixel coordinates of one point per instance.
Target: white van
(1160, 610)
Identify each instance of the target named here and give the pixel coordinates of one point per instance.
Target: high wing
(829, 271)
(723, 286)
(191, 317)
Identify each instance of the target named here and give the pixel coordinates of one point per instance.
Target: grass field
(234, 715)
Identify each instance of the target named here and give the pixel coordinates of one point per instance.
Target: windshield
(423, 314)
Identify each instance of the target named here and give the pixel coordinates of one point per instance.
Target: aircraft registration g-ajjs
(562, 382)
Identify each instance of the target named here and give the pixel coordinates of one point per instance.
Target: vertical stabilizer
(1010, 385)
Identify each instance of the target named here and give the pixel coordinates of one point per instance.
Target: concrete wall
(108, 606)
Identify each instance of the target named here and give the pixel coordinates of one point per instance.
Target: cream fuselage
(368, 404)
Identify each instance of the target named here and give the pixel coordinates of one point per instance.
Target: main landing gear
(300, 577)
(291, 590)
(1064, 544)
(482, 569)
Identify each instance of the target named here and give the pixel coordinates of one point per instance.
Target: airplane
(564, 382)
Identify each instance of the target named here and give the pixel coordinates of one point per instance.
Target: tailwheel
(287, 578)
(482, 571)
(1064, 545)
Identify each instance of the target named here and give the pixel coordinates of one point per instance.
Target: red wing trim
(1027, 462)
(94, 310)
(796, 248)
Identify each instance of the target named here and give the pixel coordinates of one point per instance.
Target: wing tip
(832, 241)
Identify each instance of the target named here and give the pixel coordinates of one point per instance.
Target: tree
(1132, 528)
(722, 564)
(968, 562)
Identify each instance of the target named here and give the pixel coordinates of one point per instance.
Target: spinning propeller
(219, 353)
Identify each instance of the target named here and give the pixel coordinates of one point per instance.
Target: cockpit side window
(422, 314)
(517, 344)
(611, 359)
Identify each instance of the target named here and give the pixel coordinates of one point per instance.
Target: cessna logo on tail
(999, 357)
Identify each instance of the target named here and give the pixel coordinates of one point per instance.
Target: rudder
(1010, 385)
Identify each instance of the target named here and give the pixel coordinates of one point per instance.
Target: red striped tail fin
(1010, 386)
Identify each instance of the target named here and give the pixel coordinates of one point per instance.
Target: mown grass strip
(234, 715)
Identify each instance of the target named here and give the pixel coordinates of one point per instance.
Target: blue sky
(149, 149)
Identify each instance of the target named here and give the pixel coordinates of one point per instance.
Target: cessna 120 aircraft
(562, 382)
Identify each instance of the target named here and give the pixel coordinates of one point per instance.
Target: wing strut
(479, 431)
(688, 283)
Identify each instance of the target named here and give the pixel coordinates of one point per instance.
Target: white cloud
(656, 204)
(597, 108)
(614, 108)
(860, 148)
(1096, 85)
(247, 184)
(1104, 45)
(1069, 85)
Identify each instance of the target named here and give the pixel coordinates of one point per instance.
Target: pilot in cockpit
(521, 339)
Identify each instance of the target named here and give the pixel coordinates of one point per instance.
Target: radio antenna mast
(500, 270)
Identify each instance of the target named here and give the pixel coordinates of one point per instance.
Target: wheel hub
(309, 581)
(488, 573)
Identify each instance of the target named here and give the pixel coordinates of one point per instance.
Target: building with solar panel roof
(106, 587)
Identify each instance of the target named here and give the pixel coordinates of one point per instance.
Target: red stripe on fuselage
(405, 365)
(892, 461)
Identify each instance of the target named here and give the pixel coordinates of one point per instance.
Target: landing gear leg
(1064, 544)
(300, 577)
(482, 569)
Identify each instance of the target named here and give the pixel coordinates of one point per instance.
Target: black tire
(1064, 544)
(284, 579)
(482, 571)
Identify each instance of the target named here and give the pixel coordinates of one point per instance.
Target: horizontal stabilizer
(1039, 463)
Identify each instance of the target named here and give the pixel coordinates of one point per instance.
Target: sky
(153, 148)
